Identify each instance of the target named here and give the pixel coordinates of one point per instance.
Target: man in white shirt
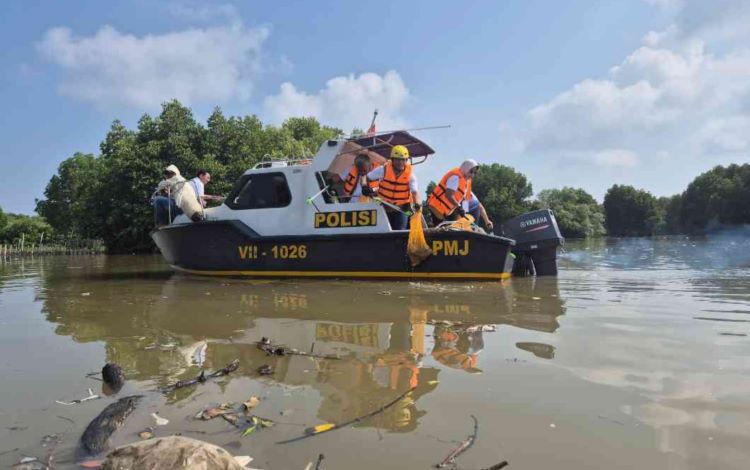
(202, 178)
(453, 196)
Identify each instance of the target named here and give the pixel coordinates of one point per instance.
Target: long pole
(392, 206)
(315, 196)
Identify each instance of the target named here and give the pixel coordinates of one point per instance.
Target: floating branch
(202, 377)
(323, 428)
(465, 445)
(271, 349)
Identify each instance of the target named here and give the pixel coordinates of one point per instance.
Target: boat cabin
(285, 218)
(296, 196)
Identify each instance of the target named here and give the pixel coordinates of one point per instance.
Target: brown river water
(636, 356)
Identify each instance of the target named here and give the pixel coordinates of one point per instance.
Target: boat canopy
(378, 148)
(383, 143)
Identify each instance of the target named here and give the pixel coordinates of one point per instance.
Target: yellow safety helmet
(400, 152)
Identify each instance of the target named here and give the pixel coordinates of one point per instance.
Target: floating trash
(91, 396)
(159, 420)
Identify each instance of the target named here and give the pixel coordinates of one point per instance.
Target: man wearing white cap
(452, 197)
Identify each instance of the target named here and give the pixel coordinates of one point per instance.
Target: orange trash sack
(465, 223)
(417, 248)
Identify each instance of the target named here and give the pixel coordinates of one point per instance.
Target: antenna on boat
(376, 134)
(446, 126)
(372, 129)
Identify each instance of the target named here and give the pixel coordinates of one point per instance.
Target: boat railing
(269, 161)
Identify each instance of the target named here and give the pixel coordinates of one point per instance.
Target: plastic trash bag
(417, 249)
(173, 452)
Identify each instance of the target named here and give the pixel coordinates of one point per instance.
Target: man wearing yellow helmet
(398, 186)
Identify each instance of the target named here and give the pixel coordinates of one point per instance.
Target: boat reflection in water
(389, 337)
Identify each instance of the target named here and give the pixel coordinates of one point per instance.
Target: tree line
(106, 196)
(717, 198)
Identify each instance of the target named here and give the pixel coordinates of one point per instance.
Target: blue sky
(575, 93)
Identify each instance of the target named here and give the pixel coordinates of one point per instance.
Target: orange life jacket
(439, 200)
(454, 358)
(351, 180)
(395, 189)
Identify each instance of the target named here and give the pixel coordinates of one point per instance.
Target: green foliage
(577, 212)
(631, 212)
(107, 197)
(3, 219)
(69, 194)
(669, 215)
(503, 191)
(26, 227)
(720, 196)
(430, 188)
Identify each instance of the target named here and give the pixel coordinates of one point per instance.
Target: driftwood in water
(332, 427)
(98, 432)
(271, 349)
(451, 459)
(498, 466)
(203, 377)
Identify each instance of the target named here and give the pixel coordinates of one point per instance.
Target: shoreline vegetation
(15, 251)
(104, 199)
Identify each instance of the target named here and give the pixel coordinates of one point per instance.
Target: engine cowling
(537, 240)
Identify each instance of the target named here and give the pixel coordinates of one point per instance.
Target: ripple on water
(624, 346)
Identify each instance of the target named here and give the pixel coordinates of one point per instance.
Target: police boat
(285, 219)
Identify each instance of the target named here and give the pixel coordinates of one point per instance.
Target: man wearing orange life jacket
(397, 186)
(355, 178)
(452, 197)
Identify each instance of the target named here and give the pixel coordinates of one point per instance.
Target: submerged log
(95, 437)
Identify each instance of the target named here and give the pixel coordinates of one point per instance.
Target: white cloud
(346, 101)
(654, 95)
(199, 12)
(731, 134)
(685, 93)
(615, 158)
(211, 65)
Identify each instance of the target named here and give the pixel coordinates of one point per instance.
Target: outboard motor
(537, 238)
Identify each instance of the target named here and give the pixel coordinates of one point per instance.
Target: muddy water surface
(636, 356)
